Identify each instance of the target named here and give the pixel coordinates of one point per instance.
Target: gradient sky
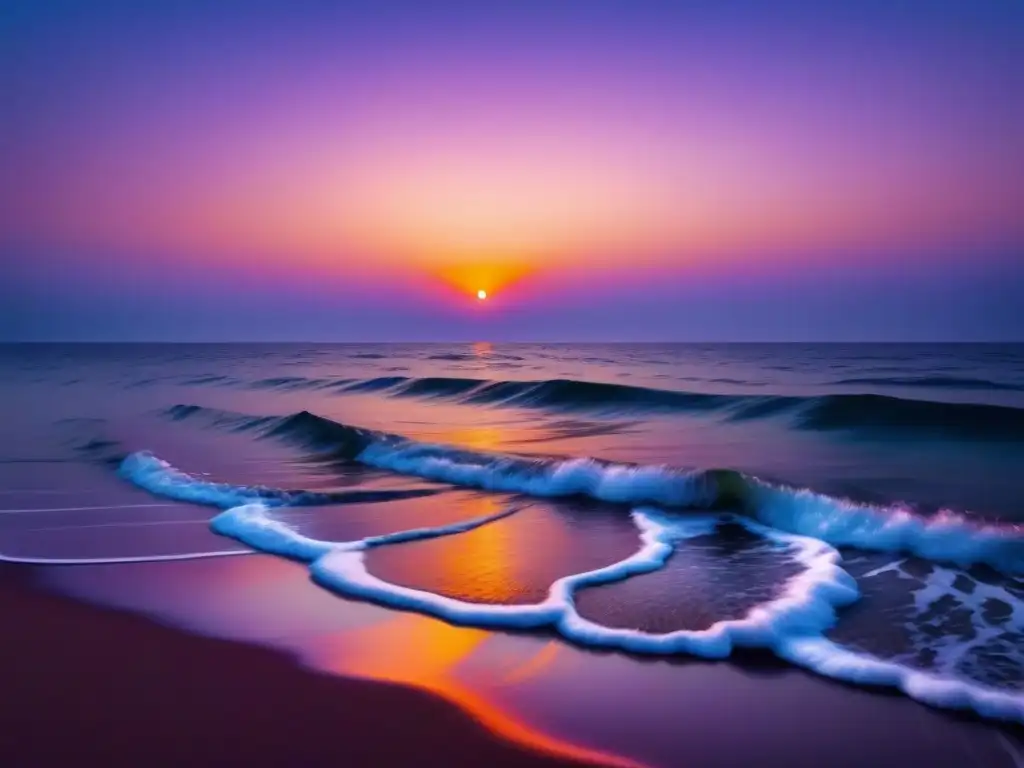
(606, 170)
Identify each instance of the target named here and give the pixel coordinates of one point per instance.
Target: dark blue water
(853, 509)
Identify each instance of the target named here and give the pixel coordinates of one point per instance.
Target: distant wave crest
(932, 382)
(871, 414)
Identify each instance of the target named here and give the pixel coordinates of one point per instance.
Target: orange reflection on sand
(407, 649)
(534, 664)
(416, 650)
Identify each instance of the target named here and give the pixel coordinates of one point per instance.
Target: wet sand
(85, 683)
(530, 689)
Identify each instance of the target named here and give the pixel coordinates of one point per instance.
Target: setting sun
(481, 294)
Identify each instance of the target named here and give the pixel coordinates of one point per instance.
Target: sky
(606, 171)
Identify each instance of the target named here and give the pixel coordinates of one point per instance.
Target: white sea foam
(616, 483)
(954, 625)
(157, 476)
(792, 625)
(251, 524)
(821, 655)
(807, 603)
(946, 537)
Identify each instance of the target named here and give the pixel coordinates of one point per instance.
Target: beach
(88, 684)
(128, 684)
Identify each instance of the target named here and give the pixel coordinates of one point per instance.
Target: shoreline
(128, 684)
(89, 682)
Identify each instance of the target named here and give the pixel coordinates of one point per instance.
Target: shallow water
(867, 525)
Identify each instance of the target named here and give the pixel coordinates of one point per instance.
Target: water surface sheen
(851, 509)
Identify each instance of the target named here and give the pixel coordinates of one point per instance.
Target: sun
(481, 294)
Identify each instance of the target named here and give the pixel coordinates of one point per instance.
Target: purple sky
(606, 170)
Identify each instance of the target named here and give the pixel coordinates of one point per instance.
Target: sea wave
(946, 536)
(865, 413)
(158, 477)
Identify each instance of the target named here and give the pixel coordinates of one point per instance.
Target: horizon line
(268, 342)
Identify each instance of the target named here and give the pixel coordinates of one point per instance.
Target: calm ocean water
(853, 509)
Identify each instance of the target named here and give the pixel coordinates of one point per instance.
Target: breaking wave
(946, 536)
(158, 477)
(792, 624)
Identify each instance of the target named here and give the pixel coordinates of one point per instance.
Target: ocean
(850, 510)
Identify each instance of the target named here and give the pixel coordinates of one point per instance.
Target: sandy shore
(108, 683)
(84, 683)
